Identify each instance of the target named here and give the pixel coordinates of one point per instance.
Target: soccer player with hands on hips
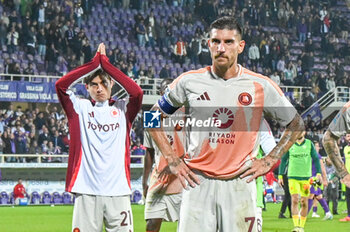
(339, 126)
(220, 164)
(99, 158)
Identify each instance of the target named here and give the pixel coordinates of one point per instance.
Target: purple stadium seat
(67, 198)
(46, 198)
(35, 198)
(4, 198)
(136, 196)
(57, 198)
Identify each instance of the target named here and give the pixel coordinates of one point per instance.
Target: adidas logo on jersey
(204, 97)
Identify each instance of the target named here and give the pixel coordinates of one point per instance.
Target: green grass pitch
(58, 219)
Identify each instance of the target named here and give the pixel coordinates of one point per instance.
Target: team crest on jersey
(245, 98)
(224, 114)
(114, 113)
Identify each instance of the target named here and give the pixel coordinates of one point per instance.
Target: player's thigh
(198, 211)
(166, 207)
(294, 186)
(87, 213)
(236, 206)
(304, 188)
(117, 214)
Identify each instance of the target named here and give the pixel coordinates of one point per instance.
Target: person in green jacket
(299, 158)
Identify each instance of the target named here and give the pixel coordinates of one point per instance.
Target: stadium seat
(67, 198)
(136, 196)
(57, 198)
(4, 198)
(35, 198)
(46, 198)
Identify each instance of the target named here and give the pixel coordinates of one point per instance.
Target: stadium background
(303, 46)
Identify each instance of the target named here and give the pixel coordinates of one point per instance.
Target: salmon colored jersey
(224, 150)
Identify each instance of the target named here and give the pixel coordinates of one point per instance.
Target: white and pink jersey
(224, 151)
(99, 156)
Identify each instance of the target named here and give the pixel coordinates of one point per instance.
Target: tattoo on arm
(290, 135)
(331, 147)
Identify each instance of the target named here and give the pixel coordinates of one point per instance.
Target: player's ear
(241, 46)
(86, 86)
(208, 41)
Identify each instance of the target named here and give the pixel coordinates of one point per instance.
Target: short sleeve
(174, 97)
(277, 105)
(267, 141)
(340, 125)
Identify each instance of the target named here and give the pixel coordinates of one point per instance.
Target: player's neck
(229, 73)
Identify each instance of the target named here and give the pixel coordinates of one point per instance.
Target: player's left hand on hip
(258, 168)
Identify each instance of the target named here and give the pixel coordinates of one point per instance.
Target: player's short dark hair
(104, 76)
(227, 22)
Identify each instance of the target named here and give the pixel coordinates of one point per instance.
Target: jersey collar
(100, 104)
(217, 77)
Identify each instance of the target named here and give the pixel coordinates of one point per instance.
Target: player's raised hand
(346, 180)
(180, 169)
(259, 168)
(101, 49)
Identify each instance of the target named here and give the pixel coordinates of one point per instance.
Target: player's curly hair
(104, 76)
(227, 22)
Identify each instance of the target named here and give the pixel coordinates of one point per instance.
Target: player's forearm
(324, 173)
(128, 84)
(161, 140)
(147, 165)
(64, 82)
(331, 147)
(290, 135)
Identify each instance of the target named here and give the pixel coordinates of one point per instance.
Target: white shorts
(259, 218)
(91, 211)
(165, 206)
(220, 206)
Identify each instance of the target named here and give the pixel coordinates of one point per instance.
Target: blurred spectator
(86, 50)
(2, 144)
(165, 72)
(308, 100)
(51, 59)
(204, 55)
(41, 38)
(302, 30)
(3, 32)
(44, 135)
(41, 16)
(2, 124)
(254, 55)
(78, 12)
(12, 40)
(276, 78)
(141, 32)
(180, 51)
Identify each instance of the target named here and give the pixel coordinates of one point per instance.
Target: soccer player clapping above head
(99, 163)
